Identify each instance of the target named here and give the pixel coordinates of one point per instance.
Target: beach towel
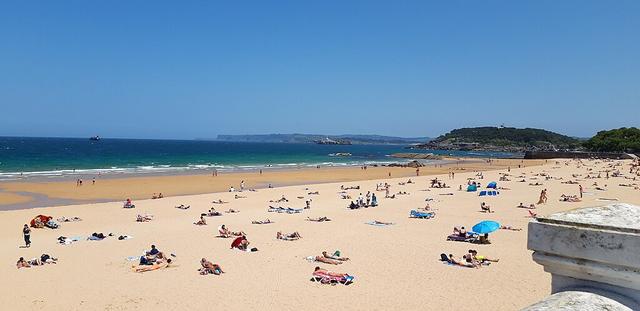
(421, 215)
(458, 238)
(482, 193)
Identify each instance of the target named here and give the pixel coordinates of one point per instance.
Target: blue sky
(187, 69)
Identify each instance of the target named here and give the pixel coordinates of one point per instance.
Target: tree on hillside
(617, 140)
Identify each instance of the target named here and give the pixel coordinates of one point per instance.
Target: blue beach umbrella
(486, 226)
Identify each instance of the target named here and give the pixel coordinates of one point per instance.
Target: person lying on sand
(219, 201)
(212, 212)
(226, 233)
(319, 219)
(72, 219)
(452, 260)
(262, 222)
(289, 236)
(327, 260)
(155, 266)
(231, 211)
(345, 196)
(313, 192)
(507, 227)
(144, 218)
(182, 206)
(377, 222)
(283, 199)
(531, 206)
(484, 207)
(335, 256)
(209, 268)
(569, 198)
(239, 197)
(201, 222)
(320, 271)
(480, 258)
(98, 236)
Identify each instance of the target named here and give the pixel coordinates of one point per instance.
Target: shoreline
(25, 194)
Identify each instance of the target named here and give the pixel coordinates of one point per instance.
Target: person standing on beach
(93, 181)
(580, 191)
(242, 186)
(26, 231)
(417, 171)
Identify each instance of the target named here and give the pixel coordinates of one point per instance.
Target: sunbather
(480, 258)
(144, 218)
(155, 266)
(212, 212)
(506, 227)
(209, 268)
(318, 219)
(226, 233)
(22, 263)
(327, 260)
(485, 207)
(261, 222)
(231, 211)
(201, 222)
(182, 206)
(289, 236)
(329, 277)
(335, 256)
(219, 201)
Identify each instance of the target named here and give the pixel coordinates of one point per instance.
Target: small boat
(95, 138)
(340, 154)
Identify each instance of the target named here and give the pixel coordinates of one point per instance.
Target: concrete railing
(593, 255)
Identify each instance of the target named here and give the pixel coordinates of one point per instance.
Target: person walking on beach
(417, 171)
(242, 186)
(26, 231)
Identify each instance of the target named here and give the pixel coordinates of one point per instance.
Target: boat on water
(94, 138)
(340, 154)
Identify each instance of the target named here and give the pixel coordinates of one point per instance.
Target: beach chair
(325, 278)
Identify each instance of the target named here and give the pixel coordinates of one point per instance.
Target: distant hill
(310, 138)
(502, 139)
(617, 140)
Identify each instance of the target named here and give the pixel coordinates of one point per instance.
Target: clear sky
(195, 69)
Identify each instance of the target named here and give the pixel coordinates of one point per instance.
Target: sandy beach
(395, 267)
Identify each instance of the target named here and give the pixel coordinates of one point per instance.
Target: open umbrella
(486, 226)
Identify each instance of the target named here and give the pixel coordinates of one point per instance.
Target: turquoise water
(50, 157)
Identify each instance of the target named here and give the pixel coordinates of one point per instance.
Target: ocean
(22, 157)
